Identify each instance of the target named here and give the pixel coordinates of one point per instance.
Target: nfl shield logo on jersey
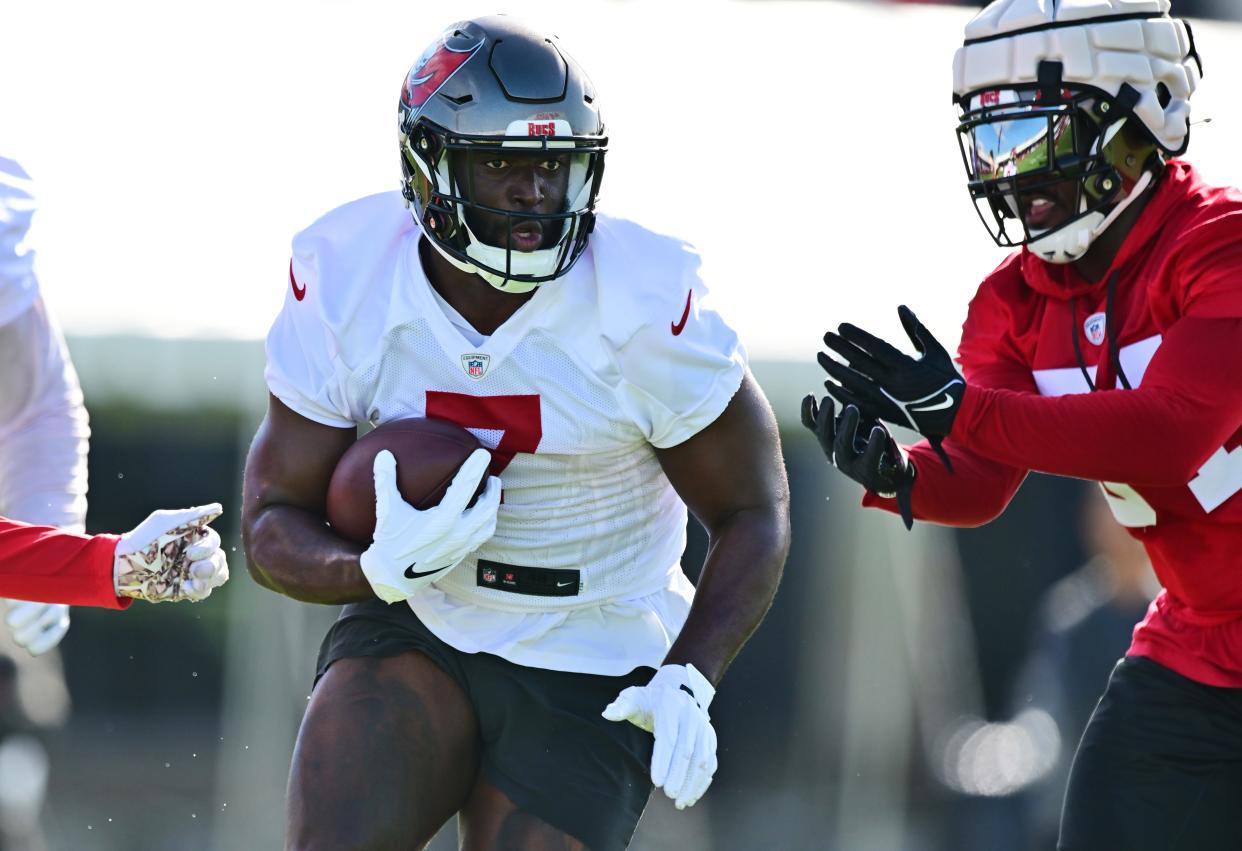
(1094, 328)
(475, 364)
(489, 576)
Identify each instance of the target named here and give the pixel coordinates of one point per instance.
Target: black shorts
(1159, 766)
(543, 740)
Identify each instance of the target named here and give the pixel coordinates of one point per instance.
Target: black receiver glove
(923, 394)
(876, 462)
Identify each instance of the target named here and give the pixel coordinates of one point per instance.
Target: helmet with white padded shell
(1096, 92)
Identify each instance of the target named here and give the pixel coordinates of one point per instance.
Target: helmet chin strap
(501, 283)
(542, 262)
(520, 262)
(1070, 243)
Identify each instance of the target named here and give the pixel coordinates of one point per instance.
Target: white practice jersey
(18, 286)
(571, 394)
(43, 424)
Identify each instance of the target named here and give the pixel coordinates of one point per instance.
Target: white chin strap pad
(1072, 242)
(539, 263)
(1069, 243)
(497, 281)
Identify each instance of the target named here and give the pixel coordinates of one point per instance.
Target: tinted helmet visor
(1020, 142)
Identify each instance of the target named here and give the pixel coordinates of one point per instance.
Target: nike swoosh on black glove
(877, 462)
(923, 393)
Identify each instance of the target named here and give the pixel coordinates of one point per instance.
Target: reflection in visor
(1006, 146)
(1020, 145)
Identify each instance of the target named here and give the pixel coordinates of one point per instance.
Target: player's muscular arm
(732, 477)
(289, 548)
(1160, 433)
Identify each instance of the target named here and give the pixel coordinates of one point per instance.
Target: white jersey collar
(432, 306)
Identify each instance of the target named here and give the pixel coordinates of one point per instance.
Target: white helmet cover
(1127, 52)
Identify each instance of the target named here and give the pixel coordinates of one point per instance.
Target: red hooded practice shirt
(1168, 450)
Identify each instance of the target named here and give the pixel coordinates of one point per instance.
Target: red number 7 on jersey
(517, 418)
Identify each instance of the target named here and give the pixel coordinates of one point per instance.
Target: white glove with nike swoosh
(673, 706)
(413, 548)
(38, 627)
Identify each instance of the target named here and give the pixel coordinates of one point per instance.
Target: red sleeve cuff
(104, 595)
(973, 398)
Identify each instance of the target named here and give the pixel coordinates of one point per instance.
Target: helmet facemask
(445, 203)
(1071, 147)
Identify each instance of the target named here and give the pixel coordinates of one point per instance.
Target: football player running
(537, 642)
(43, 445)
(1107, 348)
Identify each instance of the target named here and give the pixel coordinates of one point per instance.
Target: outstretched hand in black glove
(923, 393)
(873, 458)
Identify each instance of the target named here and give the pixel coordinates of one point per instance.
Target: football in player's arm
(1105, 349)
(546, 660)
(43, 444)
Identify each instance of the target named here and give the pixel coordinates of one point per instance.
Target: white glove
(413, 548)
(37, 626)
(171, 556)
(673, 706)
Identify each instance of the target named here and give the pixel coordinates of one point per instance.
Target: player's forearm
(739, 579)
(975, 493)
(1159, 433)
(1154, 437)
(51, 566)
(293, 552)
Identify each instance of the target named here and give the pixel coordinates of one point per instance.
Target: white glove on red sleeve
(413, 548)
(38, 627)
(171, 556)
(673, 706)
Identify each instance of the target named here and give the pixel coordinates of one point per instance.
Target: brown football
(428, 452)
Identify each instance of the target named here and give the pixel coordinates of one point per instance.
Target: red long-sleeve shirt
(53, 566)
(1167, 451)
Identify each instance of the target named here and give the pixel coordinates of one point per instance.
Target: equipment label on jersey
(475, 364)
(1095, 327)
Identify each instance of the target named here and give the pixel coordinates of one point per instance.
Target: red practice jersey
(52, 566)
(1162, 429)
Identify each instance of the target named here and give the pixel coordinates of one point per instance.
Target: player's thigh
(387, 752)
(493, 822)
(1158, 767)
(553, 772)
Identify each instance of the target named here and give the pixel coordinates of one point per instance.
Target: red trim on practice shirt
(49, 565)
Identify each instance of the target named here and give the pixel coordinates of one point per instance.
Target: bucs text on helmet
(484, 86)
(1095, 94)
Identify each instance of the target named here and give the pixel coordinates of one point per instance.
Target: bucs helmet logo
(432, 71)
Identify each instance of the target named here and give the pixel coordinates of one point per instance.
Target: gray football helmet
(484, 85)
